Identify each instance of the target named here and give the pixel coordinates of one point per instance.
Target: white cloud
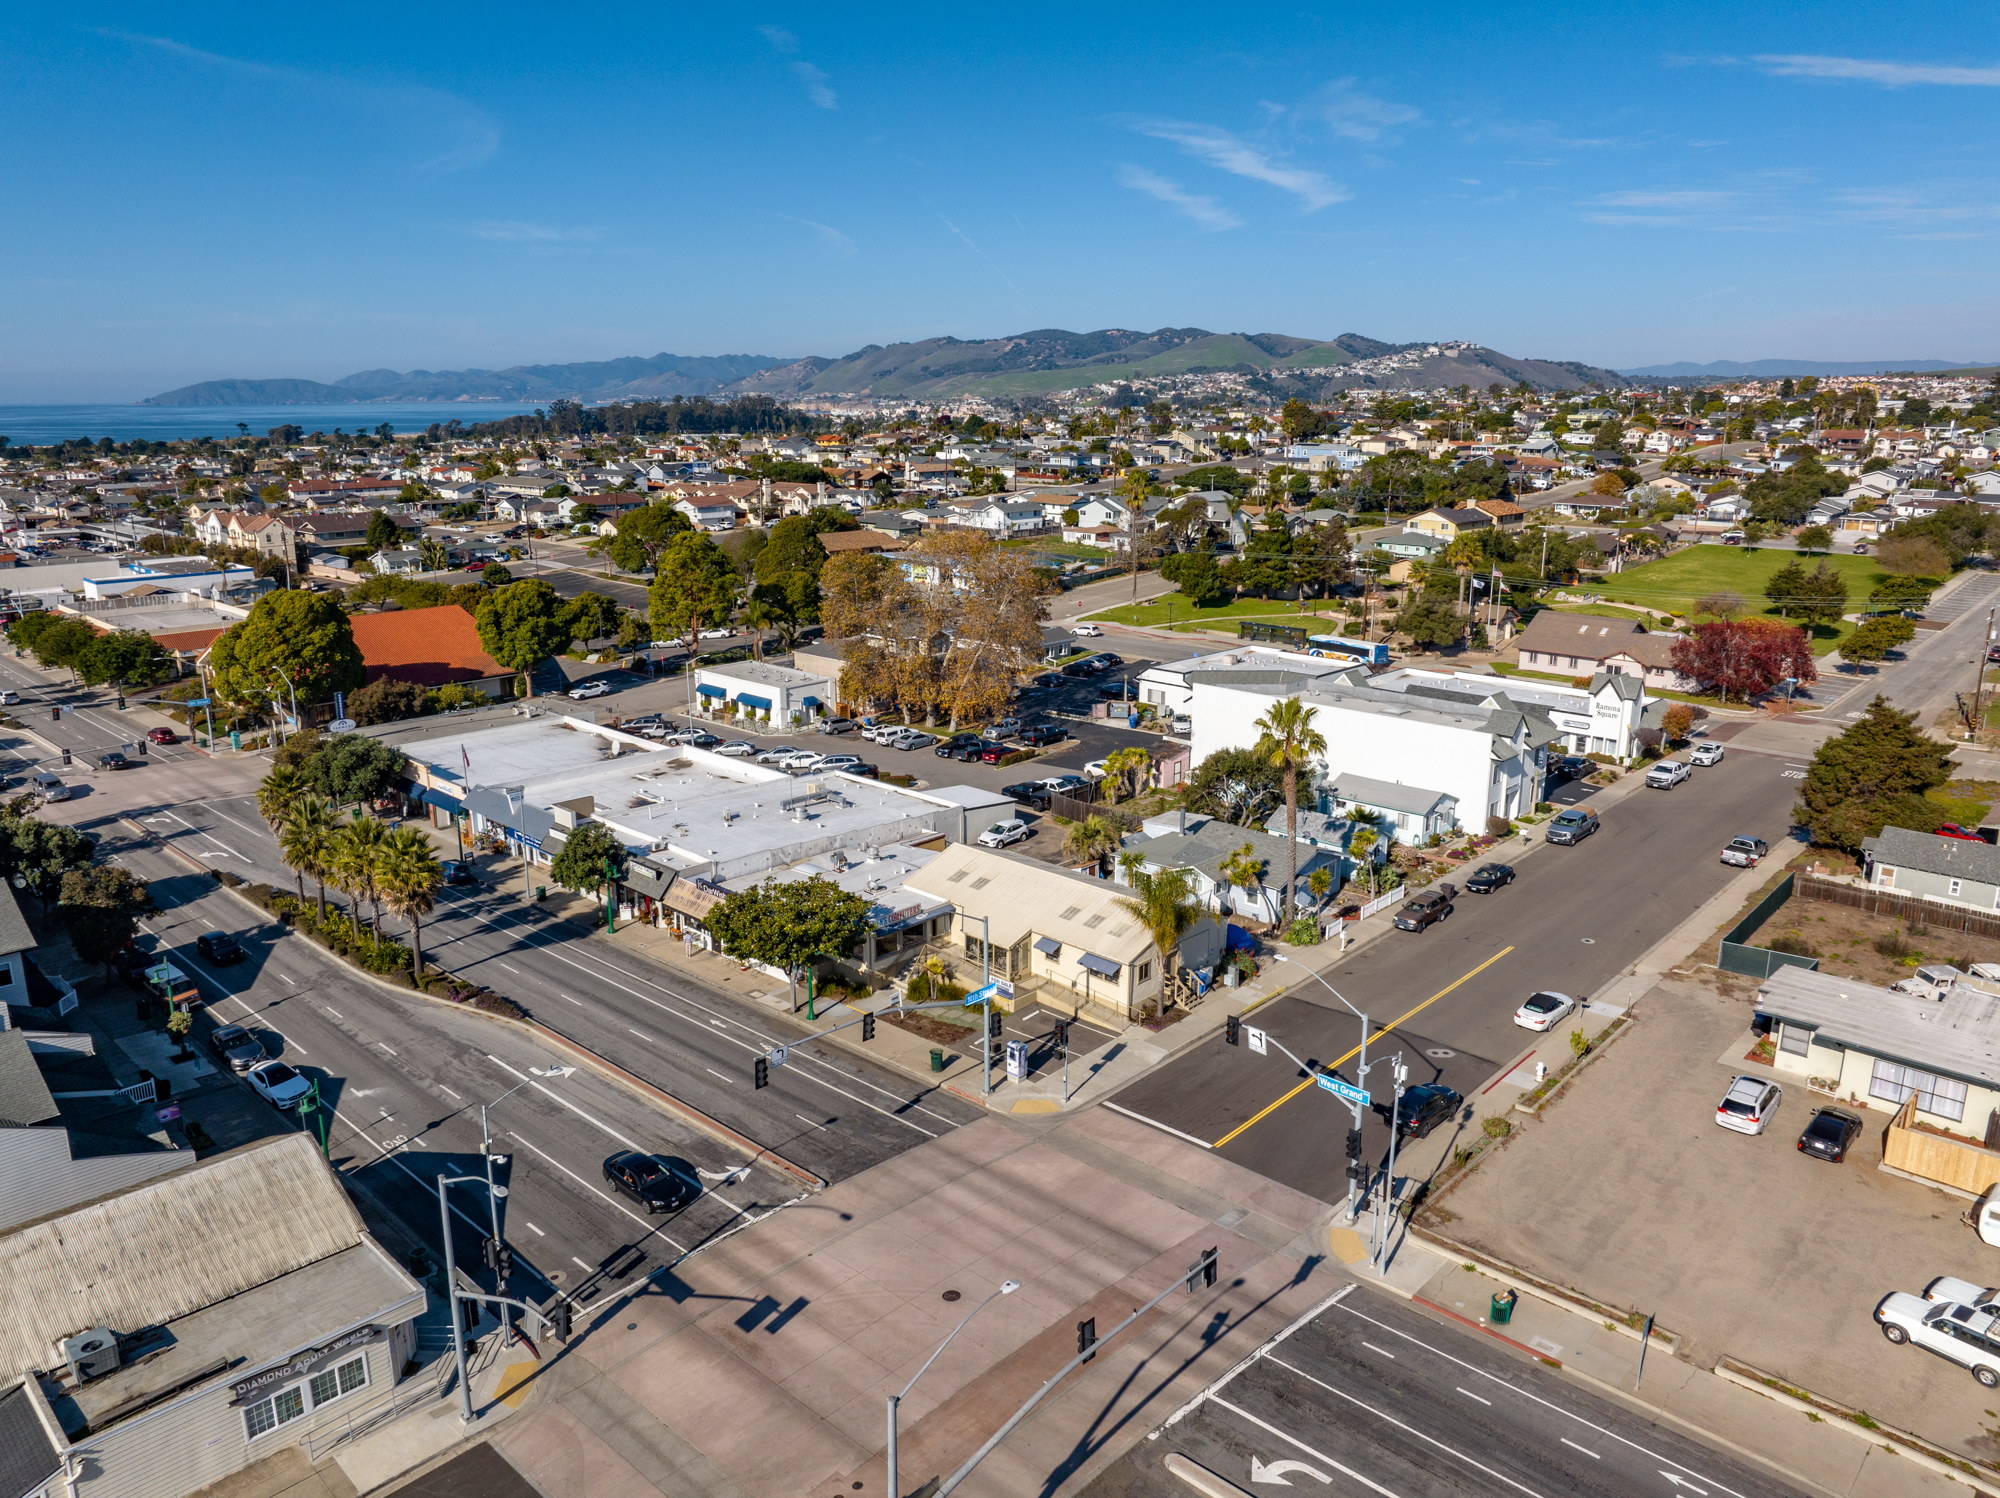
(1202, 209)
(1220, 149)
(817, 88)
(1356, 115)
(1867, 70)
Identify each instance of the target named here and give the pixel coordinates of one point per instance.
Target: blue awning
(439, 798)
(762, 704)
(1048, 946)
(809, 702)
(1103, 966)
(708, 691)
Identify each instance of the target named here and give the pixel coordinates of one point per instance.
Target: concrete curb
(1542, 1290)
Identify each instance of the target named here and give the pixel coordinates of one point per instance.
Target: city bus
(1368, 653)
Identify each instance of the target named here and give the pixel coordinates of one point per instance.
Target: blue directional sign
(197, 702)
(1346, 1091)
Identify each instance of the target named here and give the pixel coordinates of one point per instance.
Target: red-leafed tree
(1742, 657)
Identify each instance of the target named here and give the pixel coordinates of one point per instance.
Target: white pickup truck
(1667, 774)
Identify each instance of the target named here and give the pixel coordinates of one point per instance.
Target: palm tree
(277, 794)
(1094, 839)
(1166, 906)
(1130, 863)
(1242, 869)
(409, 877)
(307, 844)
(357, 863)
(1130, 764)
(1290, 743)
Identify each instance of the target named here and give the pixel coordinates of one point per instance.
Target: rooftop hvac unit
(91, 1354)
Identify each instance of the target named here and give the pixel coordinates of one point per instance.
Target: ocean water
(36, 426)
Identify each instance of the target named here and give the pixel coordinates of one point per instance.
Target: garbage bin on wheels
(1503, 1307)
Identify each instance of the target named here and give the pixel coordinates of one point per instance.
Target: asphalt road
(406, 1079)
(1574, 918)
(1372, 1396)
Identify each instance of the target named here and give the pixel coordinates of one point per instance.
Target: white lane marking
(579, 1263)
(809, 1123)
(512, 969)
(1584, 1449)
(647, 1038)
(1384, 1351)
(538, 1231)
(1470, 1395)
(289, 979)
(714, 1073)
(1400, 1425)
(210, 806)
(389, 1048)
(650, 1228)
(334, 1012)
(1316, 1455)
(443, 1088)
(1527, 1393)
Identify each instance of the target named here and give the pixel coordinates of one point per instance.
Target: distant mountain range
(1774, 369)
(1036, 363)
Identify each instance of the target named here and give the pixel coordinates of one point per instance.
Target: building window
(974, 948)
(289, 1404)
(1793, 1041)
(1145, 971)
(1885, 877)
(1943, 1097)
(1956, 885)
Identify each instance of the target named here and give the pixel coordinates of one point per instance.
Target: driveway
(1628, 1191)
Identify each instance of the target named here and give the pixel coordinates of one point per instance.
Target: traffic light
(1232, 1030)
(1086, 1337)
(66, 758)
(559, 1320)
(763, 1072)
(1354, 1144)
(140, 745)
(489, 1252)
(1062, 1034)
(868, 1026)
(55, 715)
(994, 1022)
(503, 1262)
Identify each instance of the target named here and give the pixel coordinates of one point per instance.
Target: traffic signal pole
(1233, 1027)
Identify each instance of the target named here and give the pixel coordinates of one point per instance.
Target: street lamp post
(895, 1400)
(451, 1286)
(1361, 1075)
(495, 1192)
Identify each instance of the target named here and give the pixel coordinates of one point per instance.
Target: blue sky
(209, 191)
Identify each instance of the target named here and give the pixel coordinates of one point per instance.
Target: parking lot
(1628, 1191)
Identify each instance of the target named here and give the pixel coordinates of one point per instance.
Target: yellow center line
(1310, 1081)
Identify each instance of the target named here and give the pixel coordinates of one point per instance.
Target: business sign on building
(251, 1389)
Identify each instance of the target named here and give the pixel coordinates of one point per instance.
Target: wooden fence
(1949, 1162)
(1939, 915)
(1076, 805)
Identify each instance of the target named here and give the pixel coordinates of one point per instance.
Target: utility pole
(1979, 676)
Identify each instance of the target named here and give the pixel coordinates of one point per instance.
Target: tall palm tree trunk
(1291, 843)
(322, 899)
(416, 945)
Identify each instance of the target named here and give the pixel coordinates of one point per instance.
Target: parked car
(656, 1185)
(1043, 734)
(736, 748)
(992, 754)
(838, 725)
(1095, 769)
(1748, 1105)
(1544, 1011)
(236, 1048)
(1047, 680)
(1031, 795)
(1743, 852)
(1963, 834)
(1489, 877)
(589, 689)
(219, 947)
(458, 871)
(1120, 690)
(835, 762)
(946, 748)
(1426, 908)
(1829, 1134)
(1574, 766)
(277, 1084)
(1960, 1292)
(703, 741)
(1571, 825)
(909, 738)
(1965, 1335)
(1076, 668)
(1000, 834)
(1423, 1108)
(865, 770)
(162, 736)
(1706, 754)
(1087, 631)
(1006, 728)
(1667, 774)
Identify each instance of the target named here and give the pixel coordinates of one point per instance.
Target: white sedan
(277, 1084)
(590, 689)
(1088, 631)
(718, 634)
(1544, 1011)
(737, 748)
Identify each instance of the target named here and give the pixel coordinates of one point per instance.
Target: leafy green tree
(353, 769)
(1092, 840)
(387, 701)
(495, 575)
(127, 658)
(1290, 743)
(790, 924)
(63, 642)
(641, 536)
(694, 586)
(793, 547)
(1199, 578)
(383, 531)
(1871, 776)
(592, 616)
(1875, 639)
(1824, 596)
(100, 907)
(1786, 588)
(1300, 421)
(1165, 904)
(1238, 786)
(1428, 620)
(1903, 592)
(24, 631)
(1815, 538)
(307, 636)
(40, 852)
(523, 624)
(581, 863)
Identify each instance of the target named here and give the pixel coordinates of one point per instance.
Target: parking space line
(1271, 1108)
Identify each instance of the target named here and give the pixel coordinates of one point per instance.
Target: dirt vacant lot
(1628, 1191)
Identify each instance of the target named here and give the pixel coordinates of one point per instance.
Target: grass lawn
(1600, 610)
(1177, 611)
(1059, 548)
(1675, 582)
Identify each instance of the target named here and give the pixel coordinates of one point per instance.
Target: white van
(49, 786)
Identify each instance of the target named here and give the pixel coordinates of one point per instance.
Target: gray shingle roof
(1950, 857)
(24, 1097)
(14, 933)
(27, 1456)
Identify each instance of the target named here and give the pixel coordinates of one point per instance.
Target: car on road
(838, 725)
(458, 871)
(1960, 1292)
(111, 759)
(9, 699)
(1963, 834)
(1706, 754)
(1667, 774)
(1544, 1011)
(655, 1184)
(589, 689)
(1425, 908)
(717, 634)
(1001, 834)
(219, 947)
(946, 748)
(1489, 877)
(1041, 735)
(1088, 631)
(1423, 1108)
(1028, 793)
(277, 1084)
(1965, 1335)
(1744, 852)
(236, 1048)
(1571, 825)
(1829, 1134)
(1748, 1105)
(909, 738)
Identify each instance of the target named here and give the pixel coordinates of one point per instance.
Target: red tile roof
(427, 646)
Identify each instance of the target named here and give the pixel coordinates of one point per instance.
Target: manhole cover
(951, 1295)
(556, 1276)
(1439, 1053)
(1590, 941)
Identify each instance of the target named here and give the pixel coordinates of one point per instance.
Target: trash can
(937, 1060)
(1131, 720)
(541, 893)
(1503, 1307)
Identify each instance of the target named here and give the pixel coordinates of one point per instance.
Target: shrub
(1303, 932)
(1497, 1128)
(1577, 1044)
(1016, 757)
(1794, 944)
(924, 990)
(1893, 944)
(1498, 826)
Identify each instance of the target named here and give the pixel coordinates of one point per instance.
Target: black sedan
(219, 947)
(659, 1184)
(1829, 1134)
(1423, 1108)
(237, 1048)
(949, 748)
(1489, 877)
(1575, 767)
(1046, 680)
(1077, 668)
